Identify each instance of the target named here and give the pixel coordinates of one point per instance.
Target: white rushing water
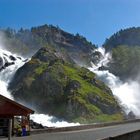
(51, 121)
(127, 93)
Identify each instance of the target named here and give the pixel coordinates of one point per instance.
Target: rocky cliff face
(55, 86)
(79, 49)
(71, 47)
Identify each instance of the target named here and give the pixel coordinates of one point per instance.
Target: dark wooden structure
(8, 110)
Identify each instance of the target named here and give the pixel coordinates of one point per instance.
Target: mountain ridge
(26, 42)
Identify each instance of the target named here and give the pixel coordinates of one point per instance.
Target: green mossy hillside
(126, 62)
(65, 90)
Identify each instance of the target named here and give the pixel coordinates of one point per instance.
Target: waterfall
(127, 93)
(9, 63)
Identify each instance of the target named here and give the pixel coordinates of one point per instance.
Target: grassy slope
(71, 92)
(67, 72)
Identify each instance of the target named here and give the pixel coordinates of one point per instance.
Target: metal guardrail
(82, 127)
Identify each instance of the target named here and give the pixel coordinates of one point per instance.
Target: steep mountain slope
(78, 48)
(125, 49)
(52, 85)
(27, 42)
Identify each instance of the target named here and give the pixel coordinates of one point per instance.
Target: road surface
(87, 134)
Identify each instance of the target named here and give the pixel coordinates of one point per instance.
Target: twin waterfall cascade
(127, 93)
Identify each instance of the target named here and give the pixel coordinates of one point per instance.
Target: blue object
(24, 132)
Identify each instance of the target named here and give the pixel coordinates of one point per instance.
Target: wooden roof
(10, 108)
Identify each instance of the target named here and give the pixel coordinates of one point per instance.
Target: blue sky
(94, 19)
